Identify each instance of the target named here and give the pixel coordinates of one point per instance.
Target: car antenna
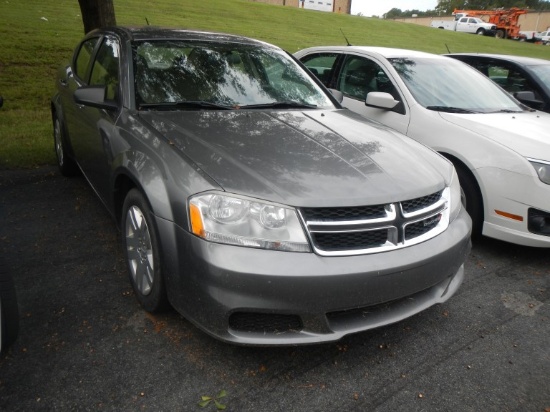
(448, 51)
(347, 41)
(147, 21)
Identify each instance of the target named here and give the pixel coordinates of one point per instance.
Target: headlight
(247, 222)
(542, 168)
(455, 201)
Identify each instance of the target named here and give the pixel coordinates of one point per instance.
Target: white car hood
(527, 133)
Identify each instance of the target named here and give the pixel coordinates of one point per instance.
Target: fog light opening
(538, 222)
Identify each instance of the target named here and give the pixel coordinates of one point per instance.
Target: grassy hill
(37, 36)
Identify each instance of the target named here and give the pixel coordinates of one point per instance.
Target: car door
(76, 75)
(91, 143)
(357, 77)
(463, 25)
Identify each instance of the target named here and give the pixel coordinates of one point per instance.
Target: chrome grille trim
(402, 228)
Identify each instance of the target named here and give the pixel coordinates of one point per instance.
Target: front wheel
(67, 166)
(141, 248)
(480, 32)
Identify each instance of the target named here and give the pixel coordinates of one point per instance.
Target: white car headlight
(242, 221)
(542, 167)
(455, 197)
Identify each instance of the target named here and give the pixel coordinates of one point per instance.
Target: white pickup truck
(466, 24)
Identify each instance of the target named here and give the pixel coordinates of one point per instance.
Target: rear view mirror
(93, 96)
(529, 99)
(381, 100)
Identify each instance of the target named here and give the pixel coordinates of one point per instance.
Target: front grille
(344, 213)
(410, 206)
(423, 226)
(350, 240)
(264, 322)
(375, 228)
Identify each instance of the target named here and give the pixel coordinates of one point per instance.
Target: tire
(67, 166)
(500, 34)
(480, 32)
(142, 253)
(471, 198)
(9, 310)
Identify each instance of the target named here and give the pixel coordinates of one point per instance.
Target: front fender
(145, 159)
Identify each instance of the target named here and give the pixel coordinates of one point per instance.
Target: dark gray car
(526, 78)
(248, 199)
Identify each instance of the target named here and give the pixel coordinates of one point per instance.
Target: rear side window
(82, 60)
(321, 65)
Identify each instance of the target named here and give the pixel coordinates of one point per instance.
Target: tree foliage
(97, 13)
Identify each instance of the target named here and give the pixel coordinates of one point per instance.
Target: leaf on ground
(220, 406)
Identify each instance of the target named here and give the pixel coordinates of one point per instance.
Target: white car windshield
(221, 76)
(449, 85)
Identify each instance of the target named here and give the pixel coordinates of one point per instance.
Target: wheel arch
(157, 197)
(123, 183)
(462, 168)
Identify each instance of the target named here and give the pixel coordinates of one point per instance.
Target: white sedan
(500, 148)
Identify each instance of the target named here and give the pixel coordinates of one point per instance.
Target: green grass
(37, 36)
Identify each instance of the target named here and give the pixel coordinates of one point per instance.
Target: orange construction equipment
(506, 20)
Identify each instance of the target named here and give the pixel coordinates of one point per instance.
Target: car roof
(144, 33)
(386, 52)
(527, 61)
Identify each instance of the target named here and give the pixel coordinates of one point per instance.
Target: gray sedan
(247, 198)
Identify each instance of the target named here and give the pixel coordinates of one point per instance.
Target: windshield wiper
(448, 109)
(280, 105)
(190, 104)
(506, 111)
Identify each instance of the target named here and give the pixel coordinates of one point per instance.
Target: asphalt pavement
(85, 344)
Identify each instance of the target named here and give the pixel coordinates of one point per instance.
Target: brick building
(334, 6)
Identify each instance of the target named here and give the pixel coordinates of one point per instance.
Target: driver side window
(105, 70)
(82, 59)
(360, 76)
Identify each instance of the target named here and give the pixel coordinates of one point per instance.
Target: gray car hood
(313, 158)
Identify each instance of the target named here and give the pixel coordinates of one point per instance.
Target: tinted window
(83, 58)
(321, 65)
(360, 76)
(105, 70)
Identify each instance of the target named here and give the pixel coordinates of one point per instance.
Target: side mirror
(529, 99)
(94, 96)
(381, 100)
(338, 95)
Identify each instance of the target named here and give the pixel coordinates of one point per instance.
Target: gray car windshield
(450, 86)
(214, 76)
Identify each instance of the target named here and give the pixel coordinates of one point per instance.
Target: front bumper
(507, 202)
(302, 297)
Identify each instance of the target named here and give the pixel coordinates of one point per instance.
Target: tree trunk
(97, 13)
